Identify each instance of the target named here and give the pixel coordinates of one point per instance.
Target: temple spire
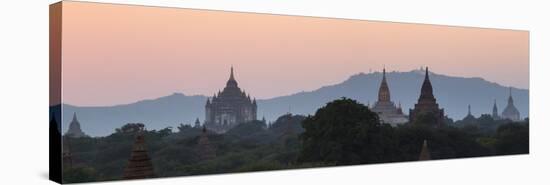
(495, 110)
(510, 111)
(427, 77)
(74, 117)
(384, 91)
(510, 99)
(399, 109)
(231, 77)
(426, 92)
(427, 103)
(232, 82)
(384, 75)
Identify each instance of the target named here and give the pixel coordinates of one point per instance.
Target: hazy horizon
(149, 52)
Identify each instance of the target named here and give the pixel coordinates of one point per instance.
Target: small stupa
(139, 165)
(205, 150)
(74, 128)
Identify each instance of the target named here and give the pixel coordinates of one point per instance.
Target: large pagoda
(385, 108)
(230, 107)
(427, 103)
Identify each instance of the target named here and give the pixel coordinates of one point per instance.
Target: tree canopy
(346, 132)
(343, 132)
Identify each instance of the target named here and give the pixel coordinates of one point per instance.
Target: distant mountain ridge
(155, 114)
(452, 93)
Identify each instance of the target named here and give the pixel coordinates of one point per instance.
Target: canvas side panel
(55, 17)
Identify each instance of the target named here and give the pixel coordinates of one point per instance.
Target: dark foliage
(512, 138)
(343, 132)
(346, 132)
(288, 124)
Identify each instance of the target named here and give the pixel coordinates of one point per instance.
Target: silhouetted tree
(165, 131)
(427, 119)
(55, 150)
(80, 174)
(247, 129)
(287, 123)
(130, 128)
(183, 128)
(346, 132)
(512, 138)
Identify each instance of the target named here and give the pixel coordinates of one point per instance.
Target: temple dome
(511, 112)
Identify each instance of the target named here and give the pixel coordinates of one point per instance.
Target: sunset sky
(117, 54)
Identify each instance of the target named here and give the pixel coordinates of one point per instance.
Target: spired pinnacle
(232, 76)
(426, 92)
(510, 99)
(74, 117)
(384, 90)
(399, 109)
(510, 111)
(427, 76)
(469, 117)
(427, 103)
(232, 82)
(495, 110)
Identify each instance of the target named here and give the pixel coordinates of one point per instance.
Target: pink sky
(117, 54)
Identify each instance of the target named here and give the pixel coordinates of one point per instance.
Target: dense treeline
(343, 132)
